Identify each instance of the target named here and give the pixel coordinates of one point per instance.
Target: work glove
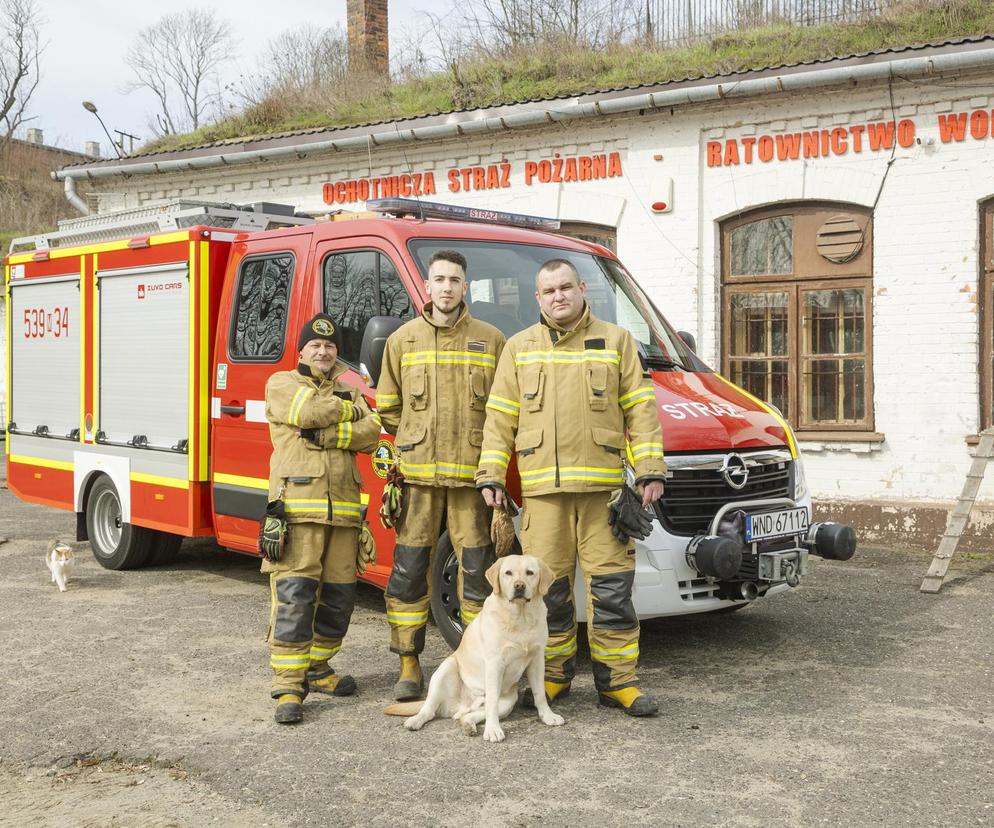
(627, 517)
(393, 498)
(274, 531)
(366, 553)
(502, 527)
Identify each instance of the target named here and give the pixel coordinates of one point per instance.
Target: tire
(115, 544)
(164, 549)
(445, 592)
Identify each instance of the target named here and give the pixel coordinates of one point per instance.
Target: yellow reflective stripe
(290, 662)
(424, 469)
(158, 480)
(238, 480)
(407, 619)
(306, 505)
(633, 398)
(323, 653)
(769, 410)
(387, 400)
(467, 616)
(349, 507)
(347, 409)
(614, 653)
(495, 405)
(493, 456)
(42, 461)
(344, 435)
(297, 403)
(567, 649)
(448, 358)
(647, 450)
(532, 357)
(498, 401)
(572, 473)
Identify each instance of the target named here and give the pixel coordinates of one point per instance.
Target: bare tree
(178, 59)
(20, 49)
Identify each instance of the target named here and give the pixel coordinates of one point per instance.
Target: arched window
(797, 316)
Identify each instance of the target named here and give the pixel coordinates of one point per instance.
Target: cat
(59, 559)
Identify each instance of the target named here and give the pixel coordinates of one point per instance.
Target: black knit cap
(320, 326)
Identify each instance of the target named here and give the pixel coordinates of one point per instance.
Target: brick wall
(926, 336)
(368, 31)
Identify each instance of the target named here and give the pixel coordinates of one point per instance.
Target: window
(596, 233)
(797, 293)
(356, 286)
(987, 314)
(261, 303)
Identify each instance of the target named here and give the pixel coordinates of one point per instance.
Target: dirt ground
(141, 699)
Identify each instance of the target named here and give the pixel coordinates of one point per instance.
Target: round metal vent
(840, 239)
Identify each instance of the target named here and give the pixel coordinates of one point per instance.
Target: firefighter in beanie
(310, 536)
(566, 392)
(432, 394)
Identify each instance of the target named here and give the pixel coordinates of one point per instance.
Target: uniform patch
(594, 344)
(478, 347)
(383, 458)
(322, 327)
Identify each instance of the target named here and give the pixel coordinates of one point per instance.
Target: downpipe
(69, 188)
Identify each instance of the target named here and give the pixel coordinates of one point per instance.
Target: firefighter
(566, 391)
(310, 537)
(436, 376)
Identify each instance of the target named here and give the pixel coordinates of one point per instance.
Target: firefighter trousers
(313, 594)
(558, 528)
(408, 592)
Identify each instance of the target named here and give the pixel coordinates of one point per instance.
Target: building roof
(318, 134)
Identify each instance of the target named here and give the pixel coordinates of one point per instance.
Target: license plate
(776, 524)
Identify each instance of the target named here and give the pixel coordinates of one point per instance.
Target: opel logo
(735, 471)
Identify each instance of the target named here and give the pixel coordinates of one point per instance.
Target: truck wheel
(164, 548)
(445, 592)
(115, 544)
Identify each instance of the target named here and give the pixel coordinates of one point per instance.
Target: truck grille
(693, 496)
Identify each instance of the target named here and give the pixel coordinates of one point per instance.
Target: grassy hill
(548, 71)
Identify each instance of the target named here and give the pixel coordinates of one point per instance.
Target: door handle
(234, 410)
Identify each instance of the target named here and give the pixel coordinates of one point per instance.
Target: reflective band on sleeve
(293, 418)
(562, 650)
(560, 357)
(347, 409)
(643, 450)
(407, 619)
(614, 653)
(633, 398)
(448, 358)
(344, 435)
(503, 404)
(384, 401)
(494, 456)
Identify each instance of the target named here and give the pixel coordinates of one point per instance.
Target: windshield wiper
(666, 363)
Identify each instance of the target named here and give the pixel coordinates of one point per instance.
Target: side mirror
(374, 343)
(688, 340)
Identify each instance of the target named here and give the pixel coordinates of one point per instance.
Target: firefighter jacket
(563, 401)
(433, 393)
(317, 425)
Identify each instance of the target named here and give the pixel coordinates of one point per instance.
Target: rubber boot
(553, 690)
(631, 700)
(289, 709)
(327, 681)
(411, 684)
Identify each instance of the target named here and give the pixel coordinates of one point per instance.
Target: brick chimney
(369, 47)
(35, 136)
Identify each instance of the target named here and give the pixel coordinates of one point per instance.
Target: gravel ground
(141, 699)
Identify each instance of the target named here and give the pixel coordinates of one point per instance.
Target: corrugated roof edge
(275, 139)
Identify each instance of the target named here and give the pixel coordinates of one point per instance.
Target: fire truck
(140, 343)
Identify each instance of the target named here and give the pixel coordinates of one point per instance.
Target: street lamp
(89, 106)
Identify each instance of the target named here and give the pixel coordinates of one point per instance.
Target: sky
(87, 41)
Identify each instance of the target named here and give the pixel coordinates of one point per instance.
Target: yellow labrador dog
(479, 681)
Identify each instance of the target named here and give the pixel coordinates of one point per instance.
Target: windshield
(502, 292)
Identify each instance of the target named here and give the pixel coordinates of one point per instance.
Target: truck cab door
(359, 278)
(266, 299)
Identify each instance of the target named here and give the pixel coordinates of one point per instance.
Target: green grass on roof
(548, 71)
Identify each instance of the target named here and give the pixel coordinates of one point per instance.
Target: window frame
(827, 276)
(985, 283)
(233, 321)
(345, 251)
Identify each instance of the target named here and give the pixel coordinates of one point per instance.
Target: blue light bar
(452, 212)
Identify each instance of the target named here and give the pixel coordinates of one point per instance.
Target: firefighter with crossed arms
(566, 391)
(435, 380)
(312, 536)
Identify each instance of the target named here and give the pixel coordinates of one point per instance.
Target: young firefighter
(566, 391)
(433, 390)
(316, 423)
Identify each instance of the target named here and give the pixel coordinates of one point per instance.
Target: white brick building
(733, 200)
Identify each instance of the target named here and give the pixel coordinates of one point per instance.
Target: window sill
(832, 442)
